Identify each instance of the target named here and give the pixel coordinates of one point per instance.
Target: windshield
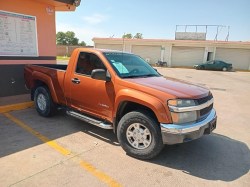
(129, 65)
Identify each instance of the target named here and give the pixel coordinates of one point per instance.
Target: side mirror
(101, 74)
(156, 70)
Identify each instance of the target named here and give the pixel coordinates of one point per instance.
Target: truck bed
(54, 66)
(53, 72)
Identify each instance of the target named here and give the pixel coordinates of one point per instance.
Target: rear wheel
(140, 135)
(43, 102)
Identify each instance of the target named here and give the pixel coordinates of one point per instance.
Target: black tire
(202, 68)
(224, 69)
(145, 120)
(46, 107)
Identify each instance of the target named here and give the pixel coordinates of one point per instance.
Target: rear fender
(47, 81)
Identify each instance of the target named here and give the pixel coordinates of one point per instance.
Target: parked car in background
(214, 65)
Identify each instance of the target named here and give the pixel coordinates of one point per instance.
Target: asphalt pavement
(63, 151)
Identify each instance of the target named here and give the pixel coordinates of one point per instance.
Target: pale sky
(155, 19)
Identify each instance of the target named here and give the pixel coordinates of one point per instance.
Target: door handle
(75, 81)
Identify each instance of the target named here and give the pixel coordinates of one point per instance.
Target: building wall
(181, 52)
(63, 50)
(166, 53)
(118, 47)
(11, 80)
(11, 67)
(45, 30)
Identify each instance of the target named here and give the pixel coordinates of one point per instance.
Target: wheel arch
(40, 79)
(146, 103)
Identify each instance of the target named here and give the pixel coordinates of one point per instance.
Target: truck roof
(105, 50)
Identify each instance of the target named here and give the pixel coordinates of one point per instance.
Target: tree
(138, 36)
(71, 39)
(129, 36)
(67, 38)
(60, 38)
(82, 43)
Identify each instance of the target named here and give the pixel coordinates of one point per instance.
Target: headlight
(181, 102)
(182, 117)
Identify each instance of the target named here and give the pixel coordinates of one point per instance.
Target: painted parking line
(44, 139)
(87, 166)
(18, 106)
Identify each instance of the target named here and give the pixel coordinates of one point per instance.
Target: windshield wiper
(140, 76)
(131, 76)
(150, 75)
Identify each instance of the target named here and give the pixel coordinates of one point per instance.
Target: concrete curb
(18, 106)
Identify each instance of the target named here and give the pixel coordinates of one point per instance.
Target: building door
(240, 58)
(149, 53)
(187, 56)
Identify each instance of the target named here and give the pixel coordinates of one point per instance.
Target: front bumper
(179, 133)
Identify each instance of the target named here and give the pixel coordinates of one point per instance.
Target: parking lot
(63, 151)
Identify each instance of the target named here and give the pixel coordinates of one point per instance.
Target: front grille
(204, 99)
(203, 113)
(206, 110)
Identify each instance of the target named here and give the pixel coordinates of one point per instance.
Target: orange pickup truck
(120, 91)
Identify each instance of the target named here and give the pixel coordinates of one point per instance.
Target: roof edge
(172, 41)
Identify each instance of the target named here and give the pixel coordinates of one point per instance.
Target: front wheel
(140, 135)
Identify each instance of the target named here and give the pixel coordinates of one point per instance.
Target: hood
(170, 86)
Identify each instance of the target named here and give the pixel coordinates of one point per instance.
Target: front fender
(144, 99)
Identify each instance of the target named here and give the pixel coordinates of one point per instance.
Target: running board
(90, 120)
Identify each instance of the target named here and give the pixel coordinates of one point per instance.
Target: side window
(87, 62)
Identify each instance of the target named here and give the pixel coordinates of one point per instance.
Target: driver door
(95, 97)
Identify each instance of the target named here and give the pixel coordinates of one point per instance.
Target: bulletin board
(18, 34)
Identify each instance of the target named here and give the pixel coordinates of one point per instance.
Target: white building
(181, 53)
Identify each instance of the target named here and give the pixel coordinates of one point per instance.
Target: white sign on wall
(18, 34)
(190, 36)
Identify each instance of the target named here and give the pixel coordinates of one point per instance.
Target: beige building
(181, 53)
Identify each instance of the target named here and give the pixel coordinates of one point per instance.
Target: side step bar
(90, 120)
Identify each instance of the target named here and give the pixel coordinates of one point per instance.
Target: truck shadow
(14, 139)
(214, 157)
